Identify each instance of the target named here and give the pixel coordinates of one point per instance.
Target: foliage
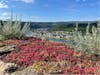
(85, 67)
(13, 30)
(69, 26)
(43, 67)
(39, 50)
(89, 42)
(45, 57)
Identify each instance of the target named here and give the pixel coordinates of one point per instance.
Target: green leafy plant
(89, 42)
(13, 29)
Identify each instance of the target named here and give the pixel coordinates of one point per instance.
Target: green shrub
(89, 42)
(13, 29)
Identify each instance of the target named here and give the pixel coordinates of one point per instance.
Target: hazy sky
(51, 10)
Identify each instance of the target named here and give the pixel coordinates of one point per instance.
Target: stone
(7, 68)
(7, 48)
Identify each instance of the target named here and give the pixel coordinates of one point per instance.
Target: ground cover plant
(39, 50)
(39, 55)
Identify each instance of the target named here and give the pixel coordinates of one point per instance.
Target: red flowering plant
(83, 68)
(38, 50)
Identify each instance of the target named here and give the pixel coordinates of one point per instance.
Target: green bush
(13, 29)
(89, 42)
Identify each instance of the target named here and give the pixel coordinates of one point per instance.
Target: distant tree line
(71, 26)
(59, 26)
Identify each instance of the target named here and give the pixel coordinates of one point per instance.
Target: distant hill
(69, 26)
(61, 25)
(52, 25)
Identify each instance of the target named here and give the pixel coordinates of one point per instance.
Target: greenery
(89, 42)
(53, 26)
(13, 30)
(70, 26)
(61, 28)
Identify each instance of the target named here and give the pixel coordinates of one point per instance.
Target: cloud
(26, 1)
(71, 9)
(37, 18)
(83, 0)
(89, 4)
(3, 4)
(77, 0)
(4, 15)
(80, 0)
(45, 19)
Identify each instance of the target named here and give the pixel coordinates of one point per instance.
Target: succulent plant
(13, 29)
(89, 42)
